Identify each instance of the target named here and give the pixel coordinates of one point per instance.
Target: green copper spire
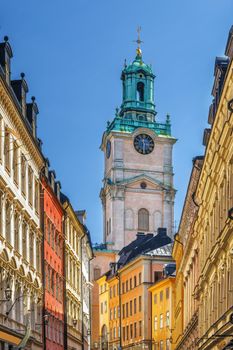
(138, 88)
(138, 108)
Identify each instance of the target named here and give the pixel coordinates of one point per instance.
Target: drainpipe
(82, 290)
(42, 263)
(118, 276)
(64, 279)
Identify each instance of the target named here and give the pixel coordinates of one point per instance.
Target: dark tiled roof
(143, 244)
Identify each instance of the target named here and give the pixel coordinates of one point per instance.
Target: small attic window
(140, 91)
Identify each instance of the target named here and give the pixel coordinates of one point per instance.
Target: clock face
(108, 149)
(143, 144)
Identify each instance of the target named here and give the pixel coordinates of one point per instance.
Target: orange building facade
(127, 304)
(53, 266)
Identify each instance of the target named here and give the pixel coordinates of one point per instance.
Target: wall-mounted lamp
(46, 319)
(8, 294)
(230, 213)
(230, 105)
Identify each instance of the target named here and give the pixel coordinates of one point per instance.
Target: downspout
(82, 289)
(120, 323)
(64, 279)
(42, 263)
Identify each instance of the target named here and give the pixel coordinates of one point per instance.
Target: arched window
(143, 220)
(140, 91)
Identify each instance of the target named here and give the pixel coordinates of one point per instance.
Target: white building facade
(20, 236)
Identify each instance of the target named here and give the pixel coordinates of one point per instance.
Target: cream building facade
(137, 193)
(20, 236)
(213, 227)
(73, 260)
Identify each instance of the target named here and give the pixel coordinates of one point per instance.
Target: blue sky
(72, 53)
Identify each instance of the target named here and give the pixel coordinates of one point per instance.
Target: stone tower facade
(137, 193)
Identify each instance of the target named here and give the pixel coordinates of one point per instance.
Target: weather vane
(139, 41)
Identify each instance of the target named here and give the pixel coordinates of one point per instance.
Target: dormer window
(140, 91)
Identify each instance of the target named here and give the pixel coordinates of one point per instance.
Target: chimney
(5, 58)
(58, 189)
(140, 234)
(32, 111)
(46, 168)
(81, 214)
(162, 231)
(229, 46)
(52, 177)
(20, 89)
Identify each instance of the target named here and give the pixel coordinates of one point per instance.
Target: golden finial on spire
(139, 41)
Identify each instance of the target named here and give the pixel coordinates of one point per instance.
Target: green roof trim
(120, 124)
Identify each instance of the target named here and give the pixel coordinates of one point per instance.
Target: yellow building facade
(162, 313)
(213, 229)
(103, 313)
(203, 247)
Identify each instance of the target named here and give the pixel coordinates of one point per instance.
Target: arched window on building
(140, 91)
(143, 220)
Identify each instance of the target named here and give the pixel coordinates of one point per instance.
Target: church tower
(137, 193)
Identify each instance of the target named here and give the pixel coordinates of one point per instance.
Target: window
(140, 303)
(135, 305)
(49, 231)
(130, 284)
(155, 323)
(38, 253)
(131, 331)
(167, 293)
(110, 292)
(161, 321)
(52, 281)
(114, 333)
(30, 180)
(23, 174)
(123, 288)
(8, 222)
(135, 281)
(157, 275)
(140, 328)
(168, 344)
(24, 238)
(114, 291)
(135, 329)
(140, 278)
(37, 204)
(110, 314)
(114, 312)
(131, 308)
(123, 333)
(97, 272)
(127, 310)
(161, 295)
(16, 236)
(31, 250)
(101, 308)
(155, 298)
(140, 91)
(161, 344)
(126, 286)
(105, 306)
(15, 162)
(127, 332)
(7, 149)
(143, 220)
(167, 319)
(118, 311)
(123, 311)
